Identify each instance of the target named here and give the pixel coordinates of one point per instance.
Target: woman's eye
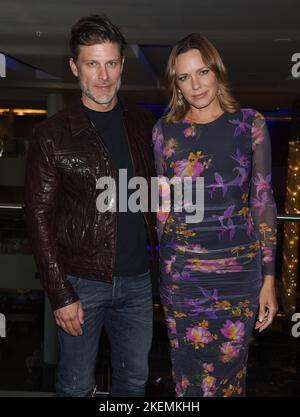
(204, 72)
(182, 78)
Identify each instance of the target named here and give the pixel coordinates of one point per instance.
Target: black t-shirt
(131, 253)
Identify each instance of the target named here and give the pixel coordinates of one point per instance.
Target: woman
(215, 274)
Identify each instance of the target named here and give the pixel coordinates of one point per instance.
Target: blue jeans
(124, 308)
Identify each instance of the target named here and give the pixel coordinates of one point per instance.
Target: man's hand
(70, 318)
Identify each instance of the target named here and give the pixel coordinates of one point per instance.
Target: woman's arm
(264, 212)
(158, 142)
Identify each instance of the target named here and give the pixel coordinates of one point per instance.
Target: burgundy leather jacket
(68, 234)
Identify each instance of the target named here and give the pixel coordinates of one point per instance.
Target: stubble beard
(92, 97)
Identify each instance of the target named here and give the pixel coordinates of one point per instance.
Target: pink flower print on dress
(257, 136)
(171, 323)
(258, 130)
(157, 139)
(209, 367)
(209, 386)
(178, 390)
(185, 382)
(262, 183)
(182, 386)
(230, 265)
(169, 150)
(191, 247)
(168, 264)
(164, 192)
(190, 131)
(267, 254)
(234, 331)
(230, 351)
(174, 343)
(162, 216)
(259, 205)
(199, 336)
(186, 168)
(176, 275)
(164, 188)
(221, 266)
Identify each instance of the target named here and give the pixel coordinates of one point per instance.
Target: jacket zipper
(114, 172)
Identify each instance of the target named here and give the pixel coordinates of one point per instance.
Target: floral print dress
(212, 271)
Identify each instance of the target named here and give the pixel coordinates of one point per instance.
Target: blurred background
(260, 45)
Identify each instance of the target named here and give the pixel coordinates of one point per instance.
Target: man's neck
(103, 108)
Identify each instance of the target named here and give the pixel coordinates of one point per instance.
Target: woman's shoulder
(162, 121)
(157, 129)
(162, 124)
(250, 115)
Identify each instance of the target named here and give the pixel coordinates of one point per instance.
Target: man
(94, 265)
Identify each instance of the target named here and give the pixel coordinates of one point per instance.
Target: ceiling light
(282, 40)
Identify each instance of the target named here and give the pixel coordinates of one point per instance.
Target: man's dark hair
(95, 29)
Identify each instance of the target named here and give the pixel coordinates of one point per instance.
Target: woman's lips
(197, 96)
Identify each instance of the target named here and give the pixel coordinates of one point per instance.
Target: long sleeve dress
(212, 271)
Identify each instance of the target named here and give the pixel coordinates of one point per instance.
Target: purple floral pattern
(211, 272)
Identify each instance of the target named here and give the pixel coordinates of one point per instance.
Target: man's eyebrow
(108, 60)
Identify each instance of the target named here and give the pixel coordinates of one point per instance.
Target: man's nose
(103, 73)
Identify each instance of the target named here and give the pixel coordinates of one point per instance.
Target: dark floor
(273, 367)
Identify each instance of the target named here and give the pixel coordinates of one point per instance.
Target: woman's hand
(267, 303)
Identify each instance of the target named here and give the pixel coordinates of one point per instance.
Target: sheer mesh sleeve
(158, 142)
(262, 203)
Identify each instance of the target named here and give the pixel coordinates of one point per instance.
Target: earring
(180, 98)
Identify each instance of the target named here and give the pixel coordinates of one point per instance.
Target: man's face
(99, 69)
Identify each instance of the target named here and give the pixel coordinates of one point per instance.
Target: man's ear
(73, 67)
(122, 63)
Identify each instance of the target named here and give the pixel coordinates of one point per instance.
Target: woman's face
(197, 82)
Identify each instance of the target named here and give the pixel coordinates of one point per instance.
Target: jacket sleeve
(262, 203)
(163, 210)
(41, 201)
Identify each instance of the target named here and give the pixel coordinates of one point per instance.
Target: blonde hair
(178, 106)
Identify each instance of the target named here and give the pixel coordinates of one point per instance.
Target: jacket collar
(78, 118)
